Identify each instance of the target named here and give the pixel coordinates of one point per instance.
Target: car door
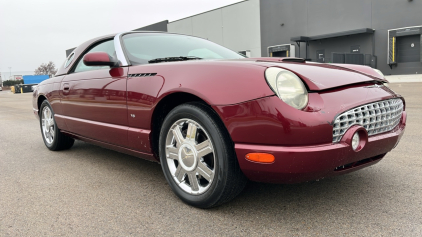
(94, 99)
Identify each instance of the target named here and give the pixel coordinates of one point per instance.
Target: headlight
(287, 86)
(382, 75)
(379, 72)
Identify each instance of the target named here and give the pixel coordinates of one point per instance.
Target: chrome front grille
(377, 117)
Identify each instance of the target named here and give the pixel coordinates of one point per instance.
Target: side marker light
(260, 157)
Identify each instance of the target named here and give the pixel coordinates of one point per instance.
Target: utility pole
(10, 71)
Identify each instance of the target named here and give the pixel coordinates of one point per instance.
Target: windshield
(143, 47)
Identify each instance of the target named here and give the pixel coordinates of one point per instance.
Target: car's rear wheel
(198, 158)
(53, 138)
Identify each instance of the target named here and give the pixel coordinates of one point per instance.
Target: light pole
(10, 71)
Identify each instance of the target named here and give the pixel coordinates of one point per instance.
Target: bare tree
(46, 69)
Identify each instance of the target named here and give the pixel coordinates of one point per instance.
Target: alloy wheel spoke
(202, 145)
(191, 133)
(178, 136)
(51, 132)
(180, 173)
(172, 152)
(48, 136)
(204, 148)
(204, 171)
(193, 181)
(45, 114)
(173, 156)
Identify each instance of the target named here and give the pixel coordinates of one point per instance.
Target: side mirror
(100, 59)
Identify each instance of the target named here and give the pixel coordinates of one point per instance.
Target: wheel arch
(164, 106)
(40, 99)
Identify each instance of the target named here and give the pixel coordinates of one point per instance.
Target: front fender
(215, 82)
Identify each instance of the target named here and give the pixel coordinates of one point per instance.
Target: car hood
(233, 81)
(321, 76)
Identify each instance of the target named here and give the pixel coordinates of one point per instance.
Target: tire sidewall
(220, 168)
(54, 144)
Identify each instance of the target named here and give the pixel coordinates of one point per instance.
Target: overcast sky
(37, 31)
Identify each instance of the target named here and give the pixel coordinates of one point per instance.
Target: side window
(107, 46)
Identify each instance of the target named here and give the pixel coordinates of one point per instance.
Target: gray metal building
(384, 34)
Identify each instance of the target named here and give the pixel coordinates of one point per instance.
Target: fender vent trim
(142, 75)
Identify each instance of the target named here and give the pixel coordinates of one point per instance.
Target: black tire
(59, 141)
(228, 179)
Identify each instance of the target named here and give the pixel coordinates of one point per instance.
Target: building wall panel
(241, 27)
(328, 16)
(184, 26)
(293, 16)
(209, 26)
(317, 17)
(236, 26)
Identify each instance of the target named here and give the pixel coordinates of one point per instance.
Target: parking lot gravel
(91, 191)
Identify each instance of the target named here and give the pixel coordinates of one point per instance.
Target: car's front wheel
(198, 158)
(53, 138)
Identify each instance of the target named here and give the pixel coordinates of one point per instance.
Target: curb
(404, 78)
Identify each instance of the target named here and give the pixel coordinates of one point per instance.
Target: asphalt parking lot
(91, 191)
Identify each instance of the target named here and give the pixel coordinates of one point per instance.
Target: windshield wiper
(172, 59)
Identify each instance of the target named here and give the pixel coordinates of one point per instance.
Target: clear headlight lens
(287, 86)
(382, 75)
(379, 72)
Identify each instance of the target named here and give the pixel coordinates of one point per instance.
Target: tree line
(12, 82)
(44, 69)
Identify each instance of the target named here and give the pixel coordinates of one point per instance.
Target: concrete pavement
(404, 78)
(91, 191)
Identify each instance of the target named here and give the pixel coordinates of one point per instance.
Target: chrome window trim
(119, 50)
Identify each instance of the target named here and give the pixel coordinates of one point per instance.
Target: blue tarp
(34, 79)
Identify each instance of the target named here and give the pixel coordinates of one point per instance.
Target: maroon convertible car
(213, 118)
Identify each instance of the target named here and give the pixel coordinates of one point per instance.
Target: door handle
(66, 88)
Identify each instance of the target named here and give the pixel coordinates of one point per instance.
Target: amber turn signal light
(260, 157)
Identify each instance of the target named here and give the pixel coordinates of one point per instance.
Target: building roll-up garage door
(408, 49)
(283, 50)
(404, 45)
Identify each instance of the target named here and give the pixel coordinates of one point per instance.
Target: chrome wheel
(48, 127)
(190, 156)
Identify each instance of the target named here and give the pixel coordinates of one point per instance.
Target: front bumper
(296, 164)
